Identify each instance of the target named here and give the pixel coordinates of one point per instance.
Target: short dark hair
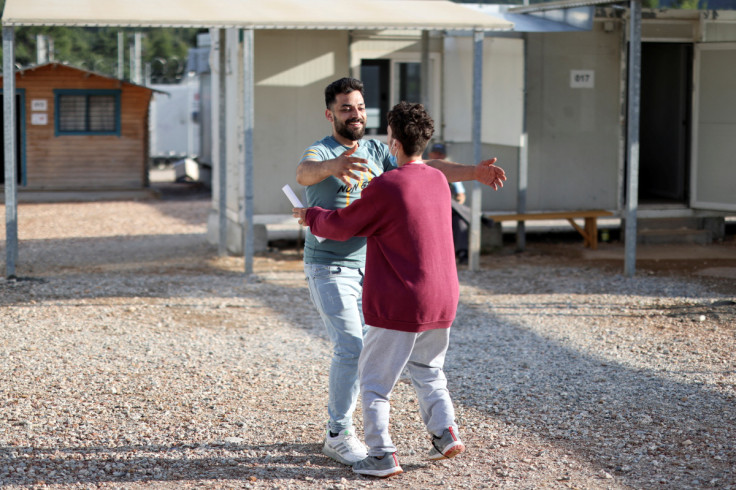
(341, 86)
(412, 126)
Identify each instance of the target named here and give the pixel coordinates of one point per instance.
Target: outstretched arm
(362, 218)
(310, 172)
(486, 172)
(331, 223)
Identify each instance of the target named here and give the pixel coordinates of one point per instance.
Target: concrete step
(674, 236)
(693, 223)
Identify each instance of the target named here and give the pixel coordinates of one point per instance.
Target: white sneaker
(345, 447)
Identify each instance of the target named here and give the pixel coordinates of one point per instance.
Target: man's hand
(343, 166)
(310, 172)
(300, 213)
(489, 174)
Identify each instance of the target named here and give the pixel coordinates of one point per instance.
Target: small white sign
(582, 78)
(39, 119)
(39, 105)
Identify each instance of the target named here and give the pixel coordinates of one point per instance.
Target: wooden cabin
(80, 131)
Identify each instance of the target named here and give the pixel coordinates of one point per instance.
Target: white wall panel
(503, 81)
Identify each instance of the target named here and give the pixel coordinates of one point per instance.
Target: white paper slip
(297, 204)
(292, 197)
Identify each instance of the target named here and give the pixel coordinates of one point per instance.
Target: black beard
(346, 132)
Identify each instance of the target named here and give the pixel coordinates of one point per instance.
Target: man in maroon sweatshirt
(410, 290)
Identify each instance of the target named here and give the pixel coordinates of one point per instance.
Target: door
(664, 134)
(375, 75)
(19, 140)
(713, 183)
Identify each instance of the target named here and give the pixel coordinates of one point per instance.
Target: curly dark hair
(412, 126)
(341, 86)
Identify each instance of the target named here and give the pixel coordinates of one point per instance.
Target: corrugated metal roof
(257, 14)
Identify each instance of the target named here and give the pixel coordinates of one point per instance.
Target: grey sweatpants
(384, 356)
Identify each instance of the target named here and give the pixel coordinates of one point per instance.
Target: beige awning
(256, 14)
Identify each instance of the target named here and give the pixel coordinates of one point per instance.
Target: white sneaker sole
(380, 473)
(452, 451)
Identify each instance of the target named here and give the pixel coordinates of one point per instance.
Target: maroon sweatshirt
(410, 279)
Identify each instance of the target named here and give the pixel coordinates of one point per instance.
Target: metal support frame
(523, 160)
(424, 86)
(11, 176)
(136, 63)
(121, 55)
(222, 144)
(475, 205)
(249, 122)
(632, 133)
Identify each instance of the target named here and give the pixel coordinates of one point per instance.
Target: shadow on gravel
(645, 430)
(144, 254)
(225, 463)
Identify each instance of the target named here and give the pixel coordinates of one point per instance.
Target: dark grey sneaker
(387, 466)
(447, 446)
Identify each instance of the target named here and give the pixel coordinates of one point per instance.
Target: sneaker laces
(434, 443)
(352, 441)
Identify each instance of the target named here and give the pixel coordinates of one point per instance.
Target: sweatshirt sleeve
(363, 217)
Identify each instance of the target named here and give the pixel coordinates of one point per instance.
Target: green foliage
(96, 48)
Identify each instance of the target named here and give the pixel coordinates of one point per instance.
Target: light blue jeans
(337, 294)
(384, 357)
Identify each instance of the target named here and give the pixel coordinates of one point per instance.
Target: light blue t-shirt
(332, 193)
(457, 188)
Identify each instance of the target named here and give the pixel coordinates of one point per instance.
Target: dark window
(410, 82)
(87, 112)
(375, 76)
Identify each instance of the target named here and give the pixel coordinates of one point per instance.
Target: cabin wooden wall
(67, 162)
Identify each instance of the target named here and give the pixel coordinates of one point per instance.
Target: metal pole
(249, 113)
(42, 52)
(474, 239)
(11, 177)
(137, 46)
(121, 55)
(440, 128)
(189, 80)
(632, 184)
(424, 85)
(131, 62)
(523, 163)
(222, 146)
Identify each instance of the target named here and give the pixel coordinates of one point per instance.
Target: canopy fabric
(255, 14)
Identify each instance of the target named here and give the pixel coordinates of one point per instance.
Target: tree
(96, 48)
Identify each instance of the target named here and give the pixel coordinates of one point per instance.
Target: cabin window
(87, 112)
(388, 81)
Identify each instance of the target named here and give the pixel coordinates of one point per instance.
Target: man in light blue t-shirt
(334, 171)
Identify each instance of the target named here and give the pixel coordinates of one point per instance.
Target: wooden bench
(589, 231)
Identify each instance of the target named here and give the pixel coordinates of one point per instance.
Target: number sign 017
(582, 79)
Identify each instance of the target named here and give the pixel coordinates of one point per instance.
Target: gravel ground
(132, 356)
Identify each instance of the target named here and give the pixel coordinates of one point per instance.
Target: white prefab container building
(175, 127)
